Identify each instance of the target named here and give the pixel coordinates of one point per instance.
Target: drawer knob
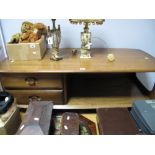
(34, 98)
(31, 81)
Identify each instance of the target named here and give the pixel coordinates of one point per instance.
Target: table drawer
(25, 96)
(32, 81)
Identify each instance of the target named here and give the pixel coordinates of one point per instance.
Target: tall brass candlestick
(56, 35)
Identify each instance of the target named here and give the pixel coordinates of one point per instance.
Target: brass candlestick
(56, 35)
(86, 35)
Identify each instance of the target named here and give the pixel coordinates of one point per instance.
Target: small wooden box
(27, 51)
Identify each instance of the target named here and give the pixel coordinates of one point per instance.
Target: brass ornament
(86, 35)
(56, 35)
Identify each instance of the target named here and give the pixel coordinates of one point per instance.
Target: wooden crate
(27, 51)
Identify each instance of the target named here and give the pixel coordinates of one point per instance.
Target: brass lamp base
(86, 35)
(56, 55)
(85, 54)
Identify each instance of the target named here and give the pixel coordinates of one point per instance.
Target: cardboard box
(27, 51)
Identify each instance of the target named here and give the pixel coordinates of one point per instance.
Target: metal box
(144, 114)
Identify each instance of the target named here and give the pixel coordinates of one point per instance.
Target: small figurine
(56, 34)
(74, 51)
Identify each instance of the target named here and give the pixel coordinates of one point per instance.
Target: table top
(126, 60)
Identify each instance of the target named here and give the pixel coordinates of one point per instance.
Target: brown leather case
(116, 121)
(70, 124)
(37, 119)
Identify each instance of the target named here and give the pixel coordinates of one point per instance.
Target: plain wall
(114, 33)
